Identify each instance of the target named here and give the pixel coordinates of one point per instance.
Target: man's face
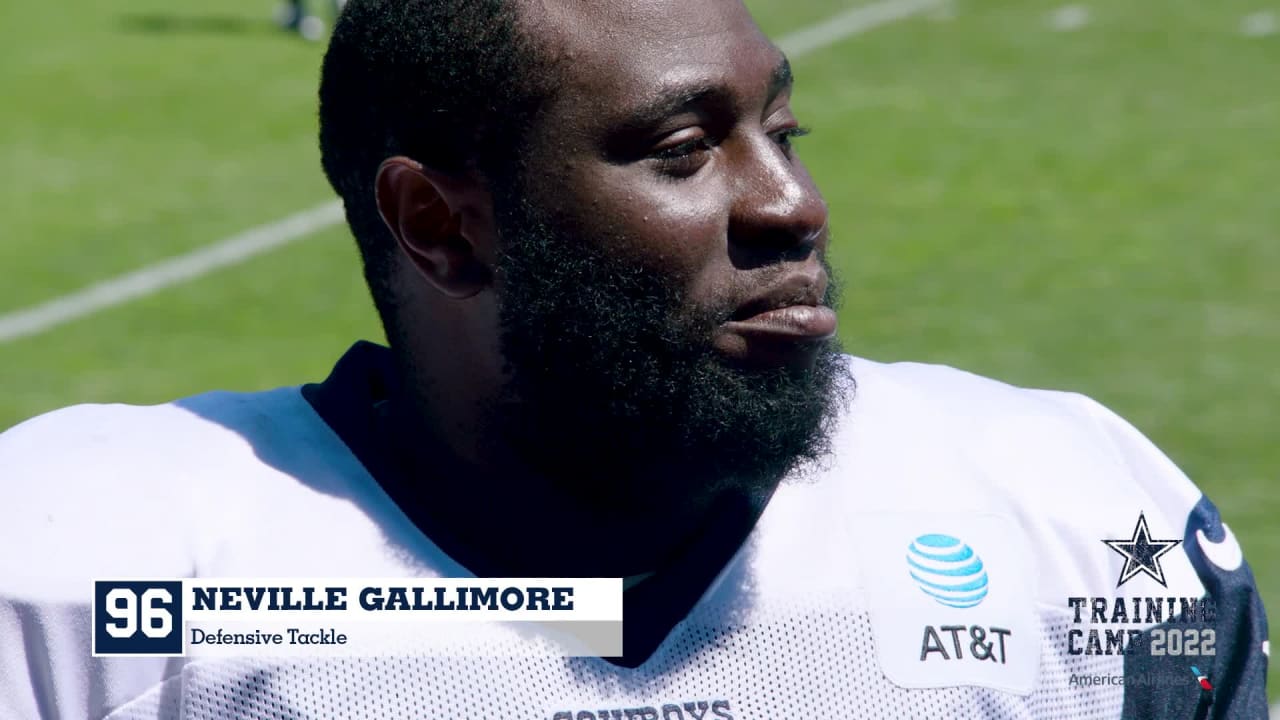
(662, 290)
(667, 143)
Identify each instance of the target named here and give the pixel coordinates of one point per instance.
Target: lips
(782, 325)
(790, 322)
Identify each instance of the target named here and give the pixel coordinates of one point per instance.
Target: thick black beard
(615, 394)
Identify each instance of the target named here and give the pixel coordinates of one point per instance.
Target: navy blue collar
(353, 402)
(350, 402)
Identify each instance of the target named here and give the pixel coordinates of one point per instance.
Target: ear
(443, 224)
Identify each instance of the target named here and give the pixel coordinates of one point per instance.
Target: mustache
(734, 305)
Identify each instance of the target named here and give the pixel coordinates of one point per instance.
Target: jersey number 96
(150, 611)
(137, 617)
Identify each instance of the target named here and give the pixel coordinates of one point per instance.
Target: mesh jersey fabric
(806, 662)
(228, 484)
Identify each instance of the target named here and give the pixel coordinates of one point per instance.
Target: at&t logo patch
(947, 570)
(951, 599)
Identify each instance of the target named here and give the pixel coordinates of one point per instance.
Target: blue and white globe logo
(947, 570)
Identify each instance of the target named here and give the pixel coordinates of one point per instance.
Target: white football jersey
(960, 555)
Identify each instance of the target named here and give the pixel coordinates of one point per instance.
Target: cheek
(679, 228)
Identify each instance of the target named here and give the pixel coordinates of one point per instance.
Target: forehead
(618, 52)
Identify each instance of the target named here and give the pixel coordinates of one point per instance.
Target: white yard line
(255, 241)
(1069, 17)
(167, 273)
(1260, 24)
(853, 22)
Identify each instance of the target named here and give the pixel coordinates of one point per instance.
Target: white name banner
(247, 617)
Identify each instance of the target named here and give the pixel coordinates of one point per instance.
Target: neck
(498, 518)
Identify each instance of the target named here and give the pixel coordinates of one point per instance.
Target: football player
(600, 264)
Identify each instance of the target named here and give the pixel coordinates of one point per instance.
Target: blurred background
(1075, 196)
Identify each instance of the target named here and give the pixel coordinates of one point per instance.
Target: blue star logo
(1141, 553)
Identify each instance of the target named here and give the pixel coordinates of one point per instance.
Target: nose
(778, 212)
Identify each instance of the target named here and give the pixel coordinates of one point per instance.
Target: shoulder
(143, 444)
(1014, 424)
(952, 391)
(97, 490)
(1066, 469)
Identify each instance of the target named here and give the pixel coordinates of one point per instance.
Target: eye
(785, 137)
(683, 159)
(684, 149)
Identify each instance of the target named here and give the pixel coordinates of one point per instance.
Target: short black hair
(449, 83)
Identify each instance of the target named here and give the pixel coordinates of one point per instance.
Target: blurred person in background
(294, 16)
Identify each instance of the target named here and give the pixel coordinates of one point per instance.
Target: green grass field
(1093, 210)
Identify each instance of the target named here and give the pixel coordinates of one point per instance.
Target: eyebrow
(780, 79)
(676, 99)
